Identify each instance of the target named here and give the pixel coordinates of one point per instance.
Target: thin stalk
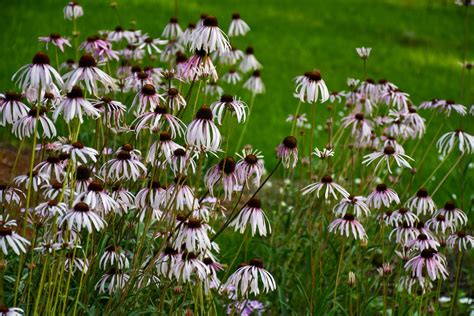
(456, 283)
(242, 133)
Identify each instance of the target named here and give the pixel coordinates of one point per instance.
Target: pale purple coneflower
(249, 62)
(55, 39)
(450, 105)
(202, 133)
(51, 208)
(363, 104)
(53, 167)
(10, 195)
(287, 151)
(200, 65)
(119, 33)
(181, 195)
(123, 167)
(403, 233)
(213, 89)
(460, 241)
(250, 165)
(11, 108)
(80, 153)
(54, 189)
(224, 172)
(174, 99)
(348, 225)
(382, 195)
(383, 85)
(82, 216)
(166, 261)
(422, 242)
(363, 52)
(453, 214)
(106, 53)
(10, 239)
(181, 161)
(212, 281)
(398, 126)
(165, 146)
(252, 216)
(170, 50)
(153, 195)
(414, 284)
(231, 77)
(422, 203)
(37, 180)
(185, 36)
(124, 198)
(74, 105)
(112, 112)
(172, 29)
(147, 99)
(113, 256)
(327, 152)
(247, 277)
(238, 27)
(300, 119)
(389, 218)
(155, 120)
(192, 236)
(397, 98)
(255, 84)
(209, 37)
(465, 142)
(311, 87)
(112, 281)
(353, 205)
(231, 57)
(385, 270)
(73, 263)
(361, 127)
(385, 155)
(404, 215)
(328, 185)
(431, 104)
(93, 44)
(369, 89)
(72, 11)
(231, 104)
(11, 311)
(38, 75)
(391, 141)
(440, 224)
(83, 178)
(132, 52)
(97, 198)
(429, 261)
(88, 73)
(189, 265)
(415, 121)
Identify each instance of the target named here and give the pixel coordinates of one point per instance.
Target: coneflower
(287, 151)
(55, 39)
(38, 75)
(209, 37)
(82, 216)
(311, 87)
(348, 225)
(249, 62)
(238, 27)
(328, 185)
(202, 133)
(386, 155)
(252, 215)
(233, 105)
(90, 75)
(73, 11)
(248, 277)
(11, 108)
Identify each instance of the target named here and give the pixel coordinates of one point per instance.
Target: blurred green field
(416, 44)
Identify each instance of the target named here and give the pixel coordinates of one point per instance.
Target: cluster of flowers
(381, 119)
(77, 190)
